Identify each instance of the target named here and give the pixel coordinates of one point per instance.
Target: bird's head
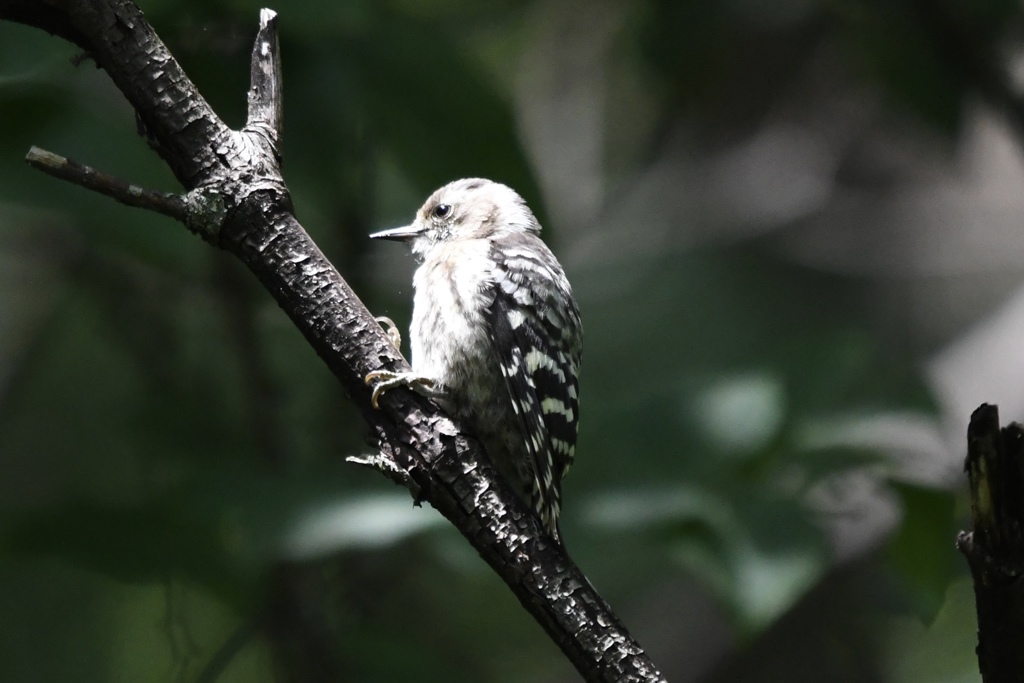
(472, 208)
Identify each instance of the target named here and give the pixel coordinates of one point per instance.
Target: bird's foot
(385, 380)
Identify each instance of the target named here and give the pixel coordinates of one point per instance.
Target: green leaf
(922, 549)
(940, 652)
(757, 553)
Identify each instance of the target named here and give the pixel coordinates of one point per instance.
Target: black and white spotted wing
(536, 334)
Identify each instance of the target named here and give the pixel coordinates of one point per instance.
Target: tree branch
(237, 200)
(79, 174)
(994, 548)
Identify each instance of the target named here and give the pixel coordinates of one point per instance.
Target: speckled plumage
(496, 331)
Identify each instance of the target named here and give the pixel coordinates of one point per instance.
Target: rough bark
(237, 200)
(994, 548)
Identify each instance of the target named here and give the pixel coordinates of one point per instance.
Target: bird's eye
(442, 210)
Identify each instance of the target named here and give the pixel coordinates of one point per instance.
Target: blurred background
(794, 230)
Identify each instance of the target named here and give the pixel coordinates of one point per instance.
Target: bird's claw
(391, 329)
(387, 380)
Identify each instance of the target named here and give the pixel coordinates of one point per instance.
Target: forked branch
(236, 199)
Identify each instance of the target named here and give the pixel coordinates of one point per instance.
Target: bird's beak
(402, 234)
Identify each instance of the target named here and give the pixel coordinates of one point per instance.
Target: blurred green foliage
(168, 442)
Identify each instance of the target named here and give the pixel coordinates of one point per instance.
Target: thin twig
(387, 465)
(133, 195)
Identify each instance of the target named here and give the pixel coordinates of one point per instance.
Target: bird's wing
(535, 334)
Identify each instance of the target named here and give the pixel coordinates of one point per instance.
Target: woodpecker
(495, 337)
